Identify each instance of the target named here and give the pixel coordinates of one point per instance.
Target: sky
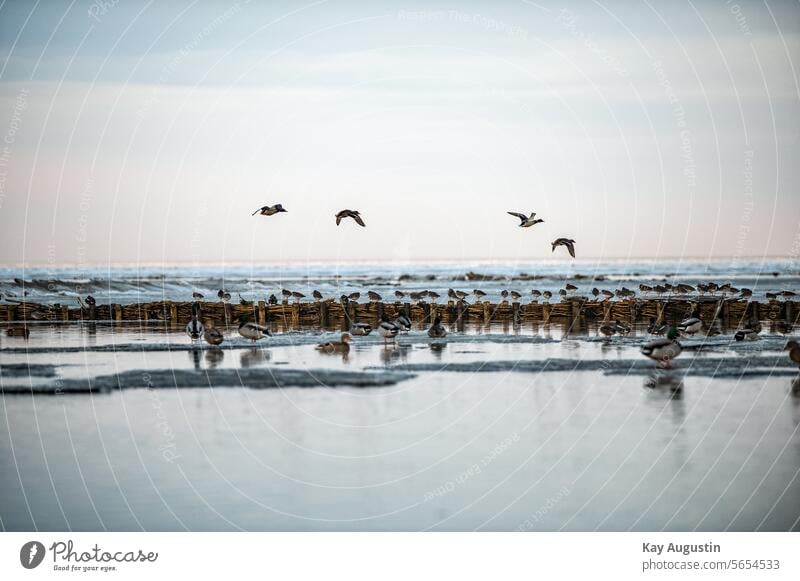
(148, 132)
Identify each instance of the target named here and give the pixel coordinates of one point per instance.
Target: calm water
(441, 451)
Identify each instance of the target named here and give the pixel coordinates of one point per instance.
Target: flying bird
(526, 221)
(349, 214)
(269, 210)
(568, 242)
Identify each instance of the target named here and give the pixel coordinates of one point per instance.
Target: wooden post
(407, 310)
(461, 315)
(262, 313)
(433, 313)
(547, 309)
(226, 308)
(487, 313)
(173, 313)
(65, 312)
(323, 314)
(379, 311)
(117, 312)
(606, 311)
(787, 312)
(515, 309)
(295, 315)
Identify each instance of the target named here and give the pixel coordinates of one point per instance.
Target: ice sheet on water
(262, 378)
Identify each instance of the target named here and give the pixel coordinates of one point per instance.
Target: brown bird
(793, 347)
(349, 214)
(567, 242)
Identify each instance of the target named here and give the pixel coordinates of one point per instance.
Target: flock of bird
(525, 222)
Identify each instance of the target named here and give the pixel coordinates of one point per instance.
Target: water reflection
(396, 354)
(254, 357)
(194, 357)
(437, 348)
(214, 357)
(670, 383)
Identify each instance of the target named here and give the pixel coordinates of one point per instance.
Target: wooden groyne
(330, 314)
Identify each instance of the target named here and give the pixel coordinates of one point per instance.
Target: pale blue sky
(149, 132)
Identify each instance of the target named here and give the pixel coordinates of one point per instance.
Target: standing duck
(194, 328)
(252, 331)
(212, 335)
(664, 350)
(342, 346)
(402, 323)
(387, 330)
(437, 331)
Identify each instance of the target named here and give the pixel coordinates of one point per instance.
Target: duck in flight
(349, 214)
(269, 210)
(527, 221)
(567, 242)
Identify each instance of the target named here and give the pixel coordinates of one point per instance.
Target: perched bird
(212, 335)
(387, 330)
(194, 328)
(451, 294)
(793, 347)
(515, 296)
(286, 294)
(596, 292)
(771, 296)
(536, 293)
(197, 296)
(562, 293)
(373, 296)
(643, 288)
(433, 296)
(504, 294)
(690, 326)
(244, 302)
(607, 294)
(746, 293)
(664, 350)
(461, 295)
(526, 221)
(403, 323)
(223, 295)
(317, 295)
(414, 296)
(273, 300)
(479, 294)
(571, 287)
(567, 242)
(90, 300)
(297, 296)
(252, 331)
(342, 346)
(360, 329)
(354, 296)
(787, 294)
(269, 210)
(399, 295)
(437, 331)
(746, 335)
(547, 295)
(349, 214)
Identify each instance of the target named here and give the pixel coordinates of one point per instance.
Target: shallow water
(442, 450)
(117, 284)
